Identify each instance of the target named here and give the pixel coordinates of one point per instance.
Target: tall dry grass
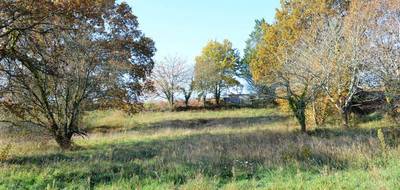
(231, 149)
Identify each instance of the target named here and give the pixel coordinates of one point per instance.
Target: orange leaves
(65, 60)
(292, 20)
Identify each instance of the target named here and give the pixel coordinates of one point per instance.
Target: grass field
(230, 149)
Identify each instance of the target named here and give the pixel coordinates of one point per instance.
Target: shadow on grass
(391, 134)
(229, 122)
(227, 156)
(221, 144)
(331, 133)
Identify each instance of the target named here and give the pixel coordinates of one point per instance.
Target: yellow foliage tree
(294, 20)
(214, 70)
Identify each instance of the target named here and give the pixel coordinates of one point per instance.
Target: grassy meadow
(225, 149)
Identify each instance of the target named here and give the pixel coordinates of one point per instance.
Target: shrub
(5, 152)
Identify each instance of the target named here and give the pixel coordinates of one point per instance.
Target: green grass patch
(229, 149)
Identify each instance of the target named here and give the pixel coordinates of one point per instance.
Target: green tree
(215, 69)
(243, 70)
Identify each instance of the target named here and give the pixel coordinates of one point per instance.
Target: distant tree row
(213, 74)
(319, 57)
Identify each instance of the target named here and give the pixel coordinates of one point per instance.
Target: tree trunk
(65, 142)
(171, 102)
(301, 118)
(344, 111)
(217, 100)
(299, 109)
(345, 117)
(217, 96)
(392, 109)
(303, 126)
(314, 109)
(187, 102)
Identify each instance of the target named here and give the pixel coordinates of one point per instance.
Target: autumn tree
(59, 58)
(349, 48)
(384, 52)
(215, 69)
(306, 69)
(335, 64)
(297, 86)
(171, 77)
(344, 58)
(294, 21)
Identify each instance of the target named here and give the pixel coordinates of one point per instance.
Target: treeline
(214, 73)
(321, 55)
(319, 58)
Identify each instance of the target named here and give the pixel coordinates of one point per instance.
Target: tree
(243, 70)
(170, 77)
(201, 80)
(292, 20)
(59, 58)
(328, 65)
(336, 66)
(384, 35)
(215, 69)
(296, 85)
(338, 47)
(296, 20)
(187, 91)
(346, 65)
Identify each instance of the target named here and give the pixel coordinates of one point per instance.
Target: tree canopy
(215, 69)
(60, 58)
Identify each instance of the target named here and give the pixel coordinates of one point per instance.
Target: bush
(5, 152)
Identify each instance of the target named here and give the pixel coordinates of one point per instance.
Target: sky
(183, 27)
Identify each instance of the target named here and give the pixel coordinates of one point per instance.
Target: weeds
(381, 137)
(5, 152)
(247, 151)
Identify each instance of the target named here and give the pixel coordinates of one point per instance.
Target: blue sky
(183, 27)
